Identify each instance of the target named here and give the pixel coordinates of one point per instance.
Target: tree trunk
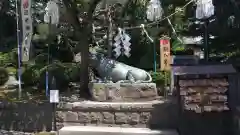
(83, 33)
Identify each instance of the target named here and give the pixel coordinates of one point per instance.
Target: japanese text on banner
(165, 56)
(27, 29)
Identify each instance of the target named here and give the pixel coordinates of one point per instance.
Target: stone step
(92, 130)
(153, 114)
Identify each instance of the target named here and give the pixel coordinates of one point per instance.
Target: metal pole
(206, 49)
(54, 105)
(48, 55)
(19, 53)
(154, 57)
(154, 50)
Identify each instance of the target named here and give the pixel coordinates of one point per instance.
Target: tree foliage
(74, 35)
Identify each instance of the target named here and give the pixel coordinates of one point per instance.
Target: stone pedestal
(124, 92)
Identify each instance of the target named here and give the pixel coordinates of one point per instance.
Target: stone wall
(32, 117)
(237, 121)
(157, 113)
(5, 132)
(27, 117)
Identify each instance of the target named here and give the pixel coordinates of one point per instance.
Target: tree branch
(93, 6)
(72, 14)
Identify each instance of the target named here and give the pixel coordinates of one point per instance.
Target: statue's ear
(100, 55)
(92, 50)
(102, 51)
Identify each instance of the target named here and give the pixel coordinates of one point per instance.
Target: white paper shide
(27, 28)
(122, 43)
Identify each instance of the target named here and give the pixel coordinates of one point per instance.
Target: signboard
(27, 29)
(165, 57)
(54, 96)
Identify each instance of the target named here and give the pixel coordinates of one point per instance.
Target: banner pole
(19, 52)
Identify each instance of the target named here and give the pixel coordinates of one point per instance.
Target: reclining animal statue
(117, 72)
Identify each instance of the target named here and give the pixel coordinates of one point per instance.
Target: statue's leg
(130, 77)
(123, 81)
(139, 81)
(147, 80)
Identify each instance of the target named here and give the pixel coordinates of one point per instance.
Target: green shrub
(3, 76)
(31, 74)
(8, 58)
(64, 73)
(160, 78)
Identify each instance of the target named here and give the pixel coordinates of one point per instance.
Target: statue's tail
(149, 78)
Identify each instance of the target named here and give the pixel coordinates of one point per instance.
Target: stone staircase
(91, 130)
(141, 116)
(126, 109)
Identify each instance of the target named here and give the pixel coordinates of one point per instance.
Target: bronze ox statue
(117, 72)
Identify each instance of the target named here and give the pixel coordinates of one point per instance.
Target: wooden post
(165, 59)
(165, 56)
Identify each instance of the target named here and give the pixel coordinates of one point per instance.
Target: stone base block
(127, 92)
(91, 130)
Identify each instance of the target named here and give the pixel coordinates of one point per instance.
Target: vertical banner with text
(27, 29)
(165, 56)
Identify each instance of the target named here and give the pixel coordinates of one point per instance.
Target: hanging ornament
(154, 10)
(231, 21)
(122, 44)
(52, 12)
(117, 51)
(205, 9)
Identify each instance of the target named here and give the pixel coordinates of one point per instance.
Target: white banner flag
(27, 28)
